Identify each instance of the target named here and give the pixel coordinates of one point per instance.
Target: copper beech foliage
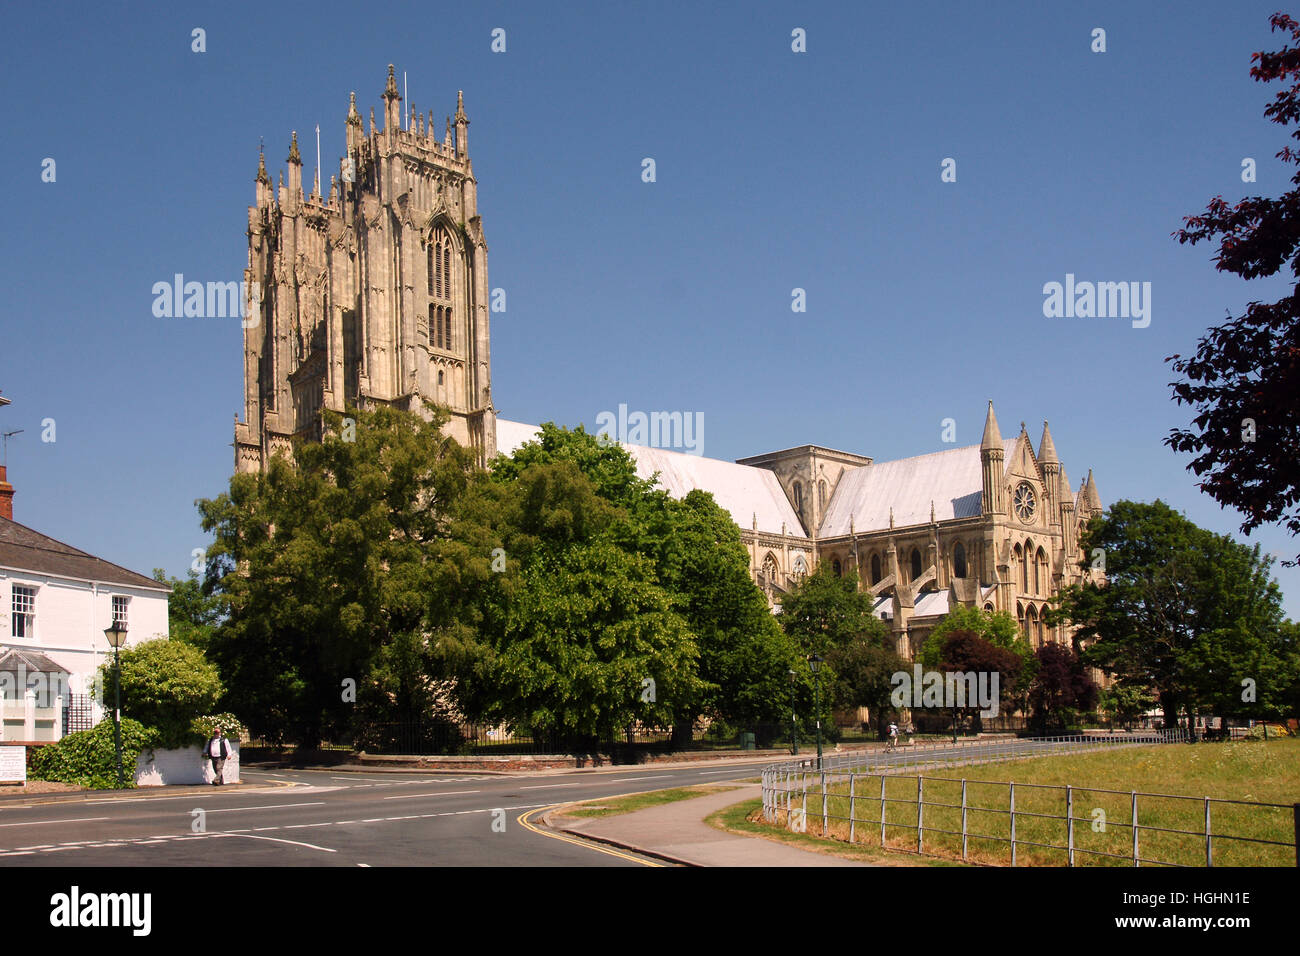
(1244, 380)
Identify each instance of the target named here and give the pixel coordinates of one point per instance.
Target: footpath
(677, 832)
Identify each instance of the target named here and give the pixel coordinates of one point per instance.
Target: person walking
(217, 749)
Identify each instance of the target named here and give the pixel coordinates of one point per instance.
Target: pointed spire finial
(460, 107)
(1047, 448)
(294, 155)
(931, 511)
(391, 89)
(354, 118)
(262, 175)
(891, 517)
(992, 436)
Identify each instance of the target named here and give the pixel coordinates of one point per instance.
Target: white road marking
(249, 836)
(705, 772)
(658, 776)
(272, 806)
(552, 786)
(444, 793)
(36, 823)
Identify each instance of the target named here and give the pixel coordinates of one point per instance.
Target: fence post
(824, 820)
(852, 804)
(882, 815)
(963, 818)
(804, 807)
(1013, 823)
(1135, 828)
(1295, 831)
(920, 804)
(1209, 840)
(1069, 823)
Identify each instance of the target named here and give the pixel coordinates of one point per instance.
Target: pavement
(677, 832)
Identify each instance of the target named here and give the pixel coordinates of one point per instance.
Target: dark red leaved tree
(1244, 380)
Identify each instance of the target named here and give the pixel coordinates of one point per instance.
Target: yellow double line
(527, 824)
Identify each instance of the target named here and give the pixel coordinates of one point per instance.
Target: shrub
(232, 728)
(165, 685)
(88, 758)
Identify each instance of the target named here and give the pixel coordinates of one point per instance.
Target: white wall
(160, 768)
(71, 617)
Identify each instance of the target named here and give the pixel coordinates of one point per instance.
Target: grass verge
(743, 820)
(638, 801)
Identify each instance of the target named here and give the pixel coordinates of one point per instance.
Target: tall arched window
(440, 305)
(1024, 567)
(916, 564)
(835, 566)
(1020, 619)
(769, 572)
(1017, 563)
(798, 499)
(1042, 578)
(821, 496)
(959, 560)
(875, 569)
(1032, 633)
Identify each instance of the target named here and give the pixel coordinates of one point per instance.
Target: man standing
(217, 749)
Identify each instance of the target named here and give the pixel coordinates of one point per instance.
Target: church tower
(375, 294)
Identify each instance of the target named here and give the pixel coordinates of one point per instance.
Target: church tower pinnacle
(378, 296)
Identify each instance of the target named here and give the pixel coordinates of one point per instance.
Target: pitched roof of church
(23, 549)
(952, 479)
(743, 490)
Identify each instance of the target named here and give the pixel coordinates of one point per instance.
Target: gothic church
(377, 293)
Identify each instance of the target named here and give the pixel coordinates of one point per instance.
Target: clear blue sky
(775, 170)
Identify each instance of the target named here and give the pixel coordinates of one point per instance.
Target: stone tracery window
(875, 569)
(440, 287)
(959, 568)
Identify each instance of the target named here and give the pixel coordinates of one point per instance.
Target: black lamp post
(794, 727)
(815, 662)
(116, 635)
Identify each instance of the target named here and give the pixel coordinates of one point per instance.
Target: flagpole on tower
(406, 103)
(318, 159)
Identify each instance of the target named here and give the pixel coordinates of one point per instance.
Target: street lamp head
(815, 662)
(116, 635)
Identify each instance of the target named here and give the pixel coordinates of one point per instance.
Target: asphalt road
(327, 818)
(330, 818)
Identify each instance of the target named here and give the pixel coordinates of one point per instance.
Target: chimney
(6, 496)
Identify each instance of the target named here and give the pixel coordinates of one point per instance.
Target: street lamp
(794, 727)
(815, 662)
(116, 635)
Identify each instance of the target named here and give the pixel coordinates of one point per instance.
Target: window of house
(119, 610)
(24, 611)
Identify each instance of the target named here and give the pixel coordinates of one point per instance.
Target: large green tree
(326, 558)
(698, 561)
(1193, 615)
(192, 613)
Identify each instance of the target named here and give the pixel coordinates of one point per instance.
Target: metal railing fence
(862, 803)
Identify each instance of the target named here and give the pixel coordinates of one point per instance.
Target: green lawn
(744, 818)
(638, 801)
(1262, 772)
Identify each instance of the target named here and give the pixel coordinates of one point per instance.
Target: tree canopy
(1244, 379)
(1191, 614)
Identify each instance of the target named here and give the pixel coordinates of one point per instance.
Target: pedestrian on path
(217, 749)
